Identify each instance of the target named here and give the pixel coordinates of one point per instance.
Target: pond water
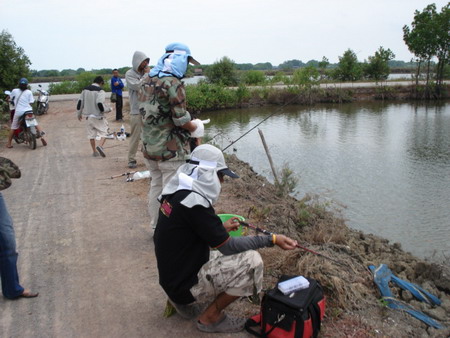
(387, 165)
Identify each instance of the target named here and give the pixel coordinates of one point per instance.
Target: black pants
(119, 104)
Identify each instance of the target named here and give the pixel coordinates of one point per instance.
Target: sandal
(29, 294)
(225, 325)
(188, 311)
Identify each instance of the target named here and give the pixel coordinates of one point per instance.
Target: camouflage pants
(237, 275)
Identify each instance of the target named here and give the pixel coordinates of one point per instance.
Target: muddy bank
(354, 307)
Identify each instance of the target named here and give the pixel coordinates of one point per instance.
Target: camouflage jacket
(162, 105)
(8, 170)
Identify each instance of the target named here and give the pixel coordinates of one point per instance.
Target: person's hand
(116, 83)
(285, 243)
(79, 118)
(232, 224)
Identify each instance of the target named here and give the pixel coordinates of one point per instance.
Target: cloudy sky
(92, 34)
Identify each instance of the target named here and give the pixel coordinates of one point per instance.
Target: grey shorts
(237, 275)
(96, 127)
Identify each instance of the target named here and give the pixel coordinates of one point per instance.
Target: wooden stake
(268, 155)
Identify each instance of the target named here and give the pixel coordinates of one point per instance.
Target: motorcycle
(27, 132)
(42, 101)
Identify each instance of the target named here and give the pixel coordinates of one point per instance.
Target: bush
(280, 77)
(287, 182)
(307, 77)
(65, 87)
(73, 87)
(253, 77)
(206, 96)
(222, 72)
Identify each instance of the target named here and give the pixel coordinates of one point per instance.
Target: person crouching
(189, 272)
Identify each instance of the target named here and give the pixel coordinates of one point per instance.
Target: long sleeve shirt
(116, 88)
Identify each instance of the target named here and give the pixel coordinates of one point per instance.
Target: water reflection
(388, 163)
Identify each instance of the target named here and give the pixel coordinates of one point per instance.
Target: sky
(94, 34)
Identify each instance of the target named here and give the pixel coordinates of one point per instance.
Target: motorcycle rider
(22, 98)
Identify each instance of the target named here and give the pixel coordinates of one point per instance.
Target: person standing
(134, 78)
(11, 287)
(188, 227)
(21, 99)
(167, 125)
(10, 105)
(91, 104)
(116, 87)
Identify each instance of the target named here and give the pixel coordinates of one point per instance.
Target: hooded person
(189, 272)
(134, 78)
(167, 125)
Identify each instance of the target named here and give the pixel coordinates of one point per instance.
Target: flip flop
(29, 294)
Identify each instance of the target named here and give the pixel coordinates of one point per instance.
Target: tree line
(428, 38)
(287, 66)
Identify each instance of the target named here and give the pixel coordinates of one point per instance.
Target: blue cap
(23, 81)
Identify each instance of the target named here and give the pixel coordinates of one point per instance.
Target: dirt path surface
(83, 241)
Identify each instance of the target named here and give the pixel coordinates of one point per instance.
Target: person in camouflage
(8, 255)
(189, 272)
(167, 125)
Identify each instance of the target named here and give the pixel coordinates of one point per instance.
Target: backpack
(296, 315)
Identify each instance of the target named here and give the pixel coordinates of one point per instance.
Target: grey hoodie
(134, 81)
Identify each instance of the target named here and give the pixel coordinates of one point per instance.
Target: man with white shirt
(21, 99)
(91, 105)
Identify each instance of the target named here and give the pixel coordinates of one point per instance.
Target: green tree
(263, 66)
(14, 64)
(323, 66)
(222, 72)
(313, 63)
(291, 64)
(68, 72)
(307, 76)
(348, 69)
(123, 70)
(244, 66)
(378, 68)
(429, 37)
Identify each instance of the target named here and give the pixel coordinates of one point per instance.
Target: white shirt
(22, 104)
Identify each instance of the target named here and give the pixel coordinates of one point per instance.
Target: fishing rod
(124, 174)
(298, 245)
(263, 120)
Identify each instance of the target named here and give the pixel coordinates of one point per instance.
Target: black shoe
(100, 151)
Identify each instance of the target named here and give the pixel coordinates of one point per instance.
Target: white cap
(7, 92)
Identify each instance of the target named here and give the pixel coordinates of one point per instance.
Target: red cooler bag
(297, 314)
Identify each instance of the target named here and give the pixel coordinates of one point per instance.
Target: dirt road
(83, 241)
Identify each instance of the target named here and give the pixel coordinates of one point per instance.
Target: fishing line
(263, 120)
(298, 245)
